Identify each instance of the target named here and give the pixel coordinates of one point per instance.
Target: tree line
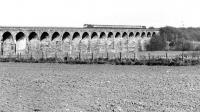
(175, 39)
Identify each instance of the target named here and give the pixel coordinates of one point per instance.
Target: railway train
(114, 26)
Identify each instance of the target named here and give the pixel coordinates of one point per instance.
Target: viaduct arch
(65, 40)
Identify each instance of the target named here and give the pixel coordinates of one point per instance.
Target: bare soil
(98, 88)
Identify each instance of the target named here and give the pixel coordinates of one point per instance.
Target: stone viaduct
(98, 40)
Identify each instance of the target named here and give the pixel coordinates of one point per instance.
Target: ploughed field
(32, 87)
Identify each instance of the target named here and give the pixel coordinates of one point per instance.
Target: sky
(75, 13)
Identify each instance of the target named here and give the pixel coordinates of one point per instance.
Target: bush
(156, 44)
(155, 61)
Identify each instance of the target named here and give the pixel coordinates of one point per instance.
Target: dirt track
(98, 88)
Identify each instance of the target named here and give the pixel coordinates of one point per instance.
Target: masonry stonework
(45, 42)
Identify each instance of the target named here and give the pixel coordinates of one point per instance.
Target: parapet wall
(47, 42)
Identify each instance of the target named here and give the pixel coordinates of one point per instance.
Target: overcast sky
(75, 13)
